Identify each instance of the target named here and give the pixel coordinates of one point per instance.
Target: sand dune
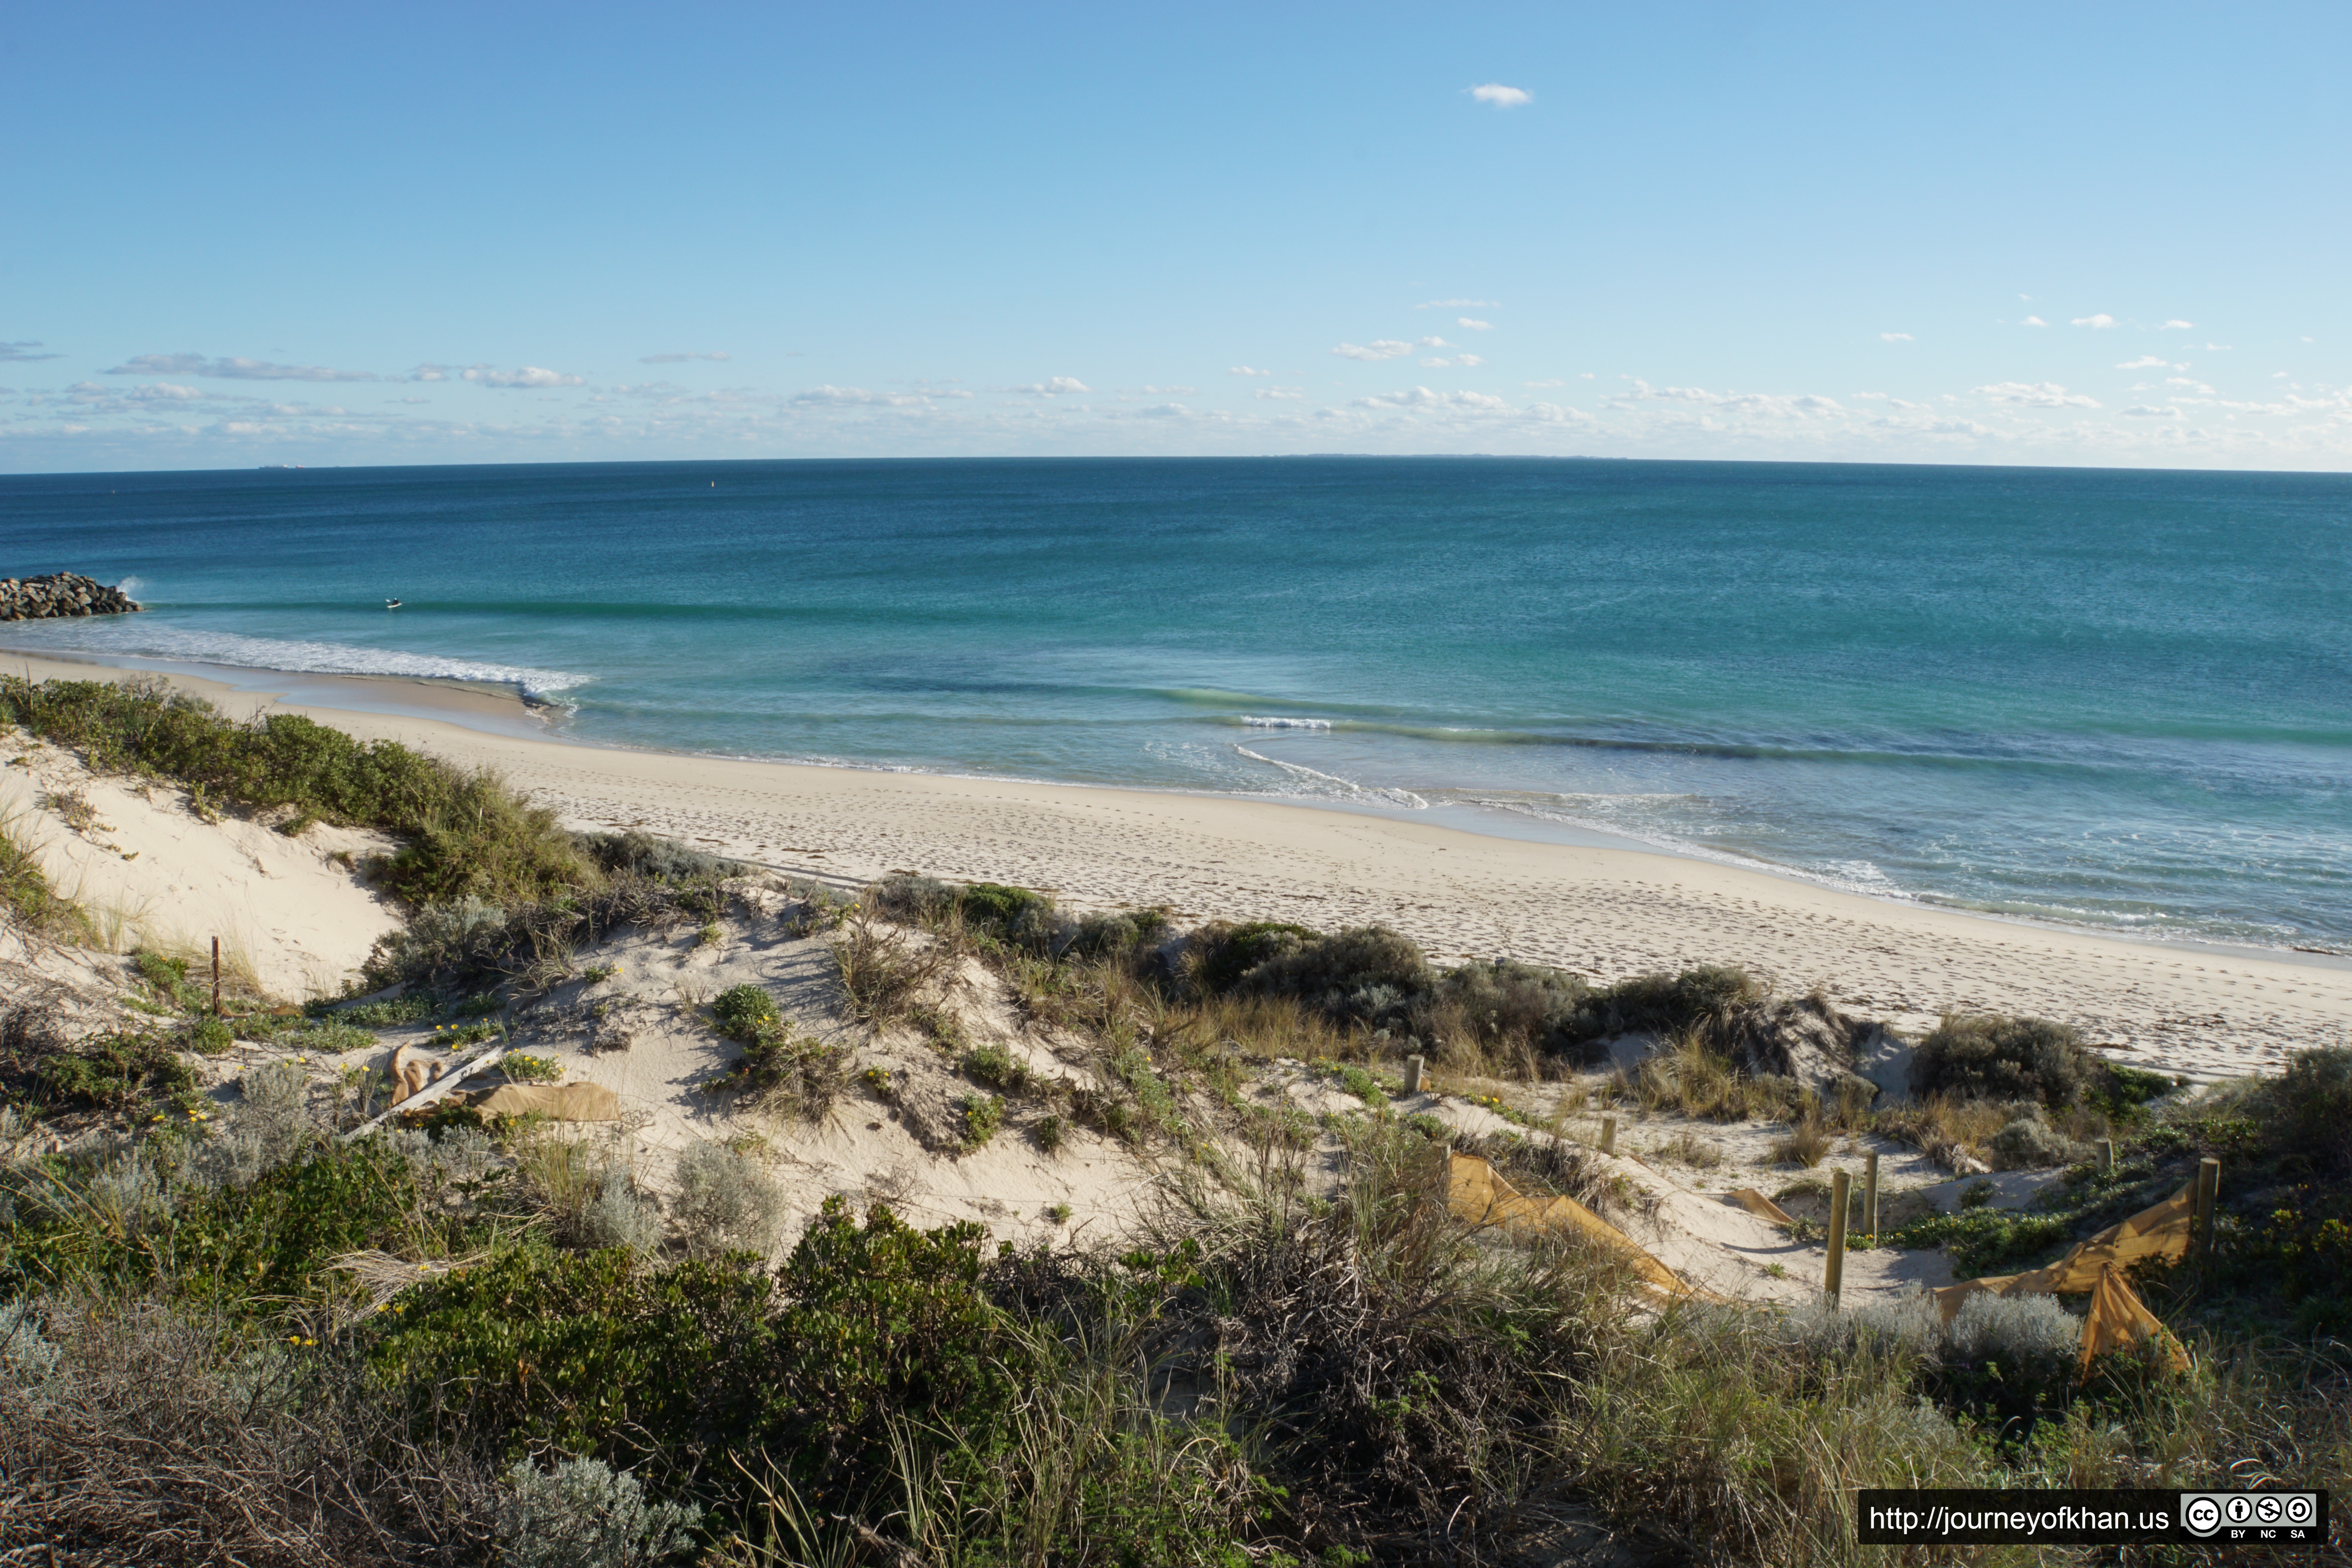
(1605, 912)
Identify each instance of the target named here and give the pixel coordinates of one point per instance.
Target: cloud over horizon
(1501, 97)
(717, 356)
(235, 369)
(528, 378)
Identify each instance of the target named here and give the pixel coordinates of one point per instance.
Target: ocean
(2120, 699)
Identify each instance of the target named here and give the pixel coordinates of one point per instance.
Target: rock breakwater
(59, 594)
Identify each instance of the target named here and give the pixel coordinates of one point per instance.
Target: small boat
(392, 603)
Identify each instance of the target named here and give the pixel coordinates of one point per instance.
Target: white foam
(1403, 797)
(138, 639)
(1260, 723)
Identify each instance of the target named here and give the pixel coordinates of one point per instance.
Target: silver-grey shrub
(585, 1514)
(620, 1216)
(2032, 1334)
(725, 1201)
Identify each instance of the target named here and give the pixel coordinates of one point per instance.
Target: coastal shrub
(1999, 1058)
(1014, 916)
(743, 1012)
(2030, 1143)
(1520, 1009)
(585, 1514)
(119, 1071)
(601, 1355)
(725, 1200)
(640, 853)
(467, 833)
(1106, 936)
(914, 899)
(1221, 954)
(1359, 972)
(997, 1067)
(1698, 997)
(982, 1115)
(2314, 1104)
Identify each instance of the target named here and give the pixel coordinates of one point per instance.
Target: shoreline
(499, 708)
(1603, 911)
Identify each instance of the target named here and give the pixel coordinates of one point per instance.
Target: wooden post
(1413, 1071)
(1608, 1135)
(2106, 1156)
(1869, 1193)
(215, 977)
(2209, 1192)
(1840, 1191)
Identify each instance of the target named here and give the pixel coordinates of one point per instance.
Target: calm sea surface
(2117, 699)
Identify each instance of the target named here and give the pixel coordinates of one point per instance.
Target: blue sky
(2005, 234)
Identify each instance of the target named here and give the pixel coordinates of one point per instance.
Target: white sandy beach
(1606, 913)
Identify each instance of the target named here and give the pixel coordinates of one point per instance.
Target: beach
(1606, 913)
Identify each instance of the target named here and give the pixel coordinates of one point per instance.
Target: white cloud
(1169, 391)
(1894, 337)
(2189, 381)
(1554, 381)
(2142, 411)
(830, 397)
(2217, 348)
(1244, 370)
(1423, 397)
(1378, 348)
(1475, 326)
(1440, 362)
(1459, 305)
(1434, 343)
(2032, 321)
(235, 369)
(1501, 97)
(2145, 362)
(681, 359)
(1052, 386)
(1282, 394)
(2047, 394)
(1554, 414)
(1468, 360)
(2178, 327)
(2101, 320)
(12, 354)
(529, 378)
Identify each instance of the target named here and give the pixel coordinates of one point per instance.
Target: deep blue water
(2121, 699)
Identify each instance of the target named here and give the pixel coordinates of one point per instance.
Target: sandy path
(1605, 912)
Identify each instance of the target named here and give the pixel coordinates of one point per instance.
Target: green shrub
(1360, 973)
(209, 1035)
(1223, 953)
(465, 834)
(2315, 1099)
(112, 1072)
(1980, 1240)
(1987, 1057)
(1015, 915)
(886, 1329)
(982, 1115)
(592, 1354)
(997, 1067)
(1664, 1003)
(1509, 1001)
(524, 1068)
(1049, 1133)
(741, 1012)
(389, 1012)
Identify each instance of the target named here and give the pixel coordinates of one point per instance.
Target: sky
(2079, 234)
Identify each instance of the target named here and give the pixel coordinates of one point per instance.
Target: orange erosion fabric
(572, 1103)
(2159, 1232)
(1759, 1205)
(1478, 1194)
(2117, 1316)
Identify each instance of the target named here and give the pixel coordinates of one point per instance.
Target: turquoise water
(2117, 699)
